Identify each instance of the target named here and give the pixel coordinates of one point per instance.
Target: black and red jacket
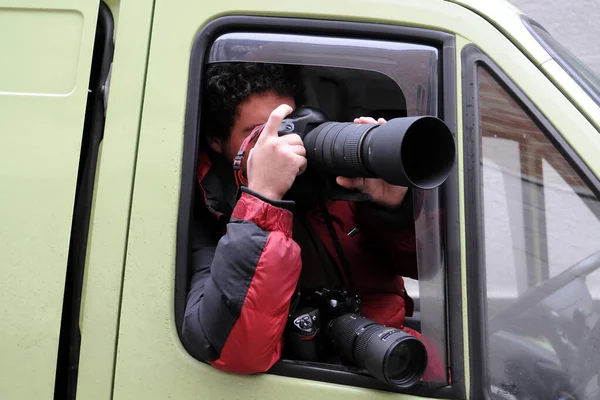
(247, 264)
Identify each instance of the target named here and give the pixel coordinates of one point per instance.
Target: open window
(396, 75)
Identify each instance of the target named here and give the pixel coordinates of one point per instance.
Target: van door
(392, 54)
(50, 126)
(533, 229)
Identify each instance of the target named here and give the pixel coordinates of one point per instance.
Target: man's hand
(275, 161)
(382, 192)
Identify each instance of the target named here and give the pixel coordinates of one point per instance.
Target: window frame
(472, 57)
(449, 191)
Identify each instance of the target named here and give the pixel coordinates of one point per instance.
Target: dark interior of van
(344, 94)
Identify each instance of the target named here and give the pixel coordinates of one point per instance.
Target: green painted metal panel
(508, 19)
(44, 74)
(113, 190)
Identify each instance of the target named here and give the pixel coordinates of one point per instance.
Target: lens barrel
(389, 354)
(413, 152)
(335, 147)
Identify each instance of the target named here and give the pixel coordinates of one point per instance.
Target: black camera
(416, 152)
(326, 322)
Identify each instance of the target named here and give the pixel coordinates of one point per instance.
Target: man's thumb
(275, 119)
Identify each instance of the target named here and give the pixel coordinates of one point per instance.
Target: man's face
(255, 110)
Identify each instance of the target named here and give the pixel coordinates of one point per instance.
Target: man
(247, 260)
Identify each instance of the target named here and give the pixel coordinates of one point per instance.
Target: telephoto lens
(414, 152)
(388, 354)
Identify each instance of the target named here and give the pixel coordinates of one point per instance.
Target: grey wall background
(574, 23)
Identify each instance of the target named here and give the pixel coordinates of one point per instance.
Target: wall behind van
(574, 23)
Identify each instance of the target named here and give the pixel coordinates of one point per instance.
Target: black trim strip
(353, 377)
(65, 386)
(472, 57)
(191, 142)
(473, 228)
(450, 200)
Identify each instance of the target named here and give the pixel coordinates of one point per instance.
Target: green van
(99, 127)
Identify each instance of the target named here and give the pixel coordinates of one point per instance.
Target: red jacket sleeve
(239, 300)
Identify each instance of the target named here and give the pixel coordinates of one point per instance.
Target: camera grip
(303, 328)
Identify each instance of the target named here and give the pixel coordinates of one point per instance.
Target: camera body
(308, 322)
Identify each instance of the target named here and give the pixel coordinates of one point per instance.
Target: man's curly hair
(227, 85)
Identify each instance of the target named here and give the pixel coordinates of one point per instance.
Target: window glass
(412, 66)
(542, 260)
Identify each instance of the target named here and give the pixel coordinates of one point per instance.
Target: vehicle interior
(344, 94)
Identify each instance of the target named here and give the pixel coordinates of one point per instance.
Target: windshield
(582, 73)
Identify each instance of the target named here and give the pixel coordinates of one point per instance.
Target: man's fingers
(274, 122)
(292, 139)
(365, 120)
(302, 164)
(369, 120)
(299, 150)
(350, 183)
